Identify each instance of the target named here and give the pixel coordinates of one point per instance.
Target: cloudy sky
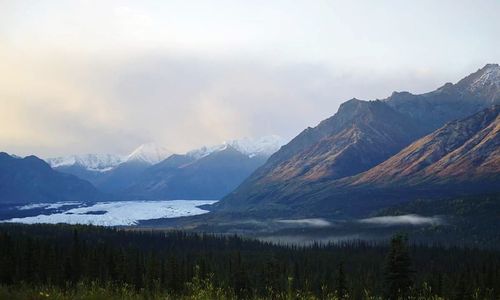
(106, 76)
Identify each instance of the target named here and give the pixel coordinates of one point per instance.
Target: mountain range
(31, 179)
(369, 156)
(152, 172)
(205, 173)
(109, 172)
(375, 153)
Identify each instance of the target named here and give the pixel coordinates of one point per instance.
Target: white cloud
(314, 222)
(105, 76)
(403, 220)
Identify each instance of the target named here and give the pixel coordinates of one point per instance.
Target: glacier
(120, 213)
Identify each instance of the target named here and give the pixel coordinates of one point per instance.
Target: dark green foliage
(340, 283)
(469, 220)
(63, 257)
(398, 272)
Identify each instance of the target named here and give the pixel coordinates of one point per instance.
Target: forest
(89, 262)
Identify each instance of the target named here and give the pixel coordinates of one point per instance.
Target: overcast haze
(106, 76)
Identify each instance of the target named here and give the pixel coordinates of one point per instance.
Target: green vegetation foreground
(87, 262)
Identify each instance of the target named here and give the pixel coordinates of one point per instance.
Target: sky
(106, 76)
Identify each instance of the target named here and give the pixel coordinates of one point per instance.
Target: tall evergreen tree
(340, 283)
(461, 292)
(398, 269)
(240, 278)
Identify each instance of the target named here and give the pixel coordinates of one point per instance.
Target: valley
(249, 150)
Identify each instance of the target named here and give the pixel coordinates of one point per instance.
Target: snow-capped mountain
(149, 153)
(263, 146)
(152, 172)
(205, 173)
(483, 84)
(91, 162)
(488, 76)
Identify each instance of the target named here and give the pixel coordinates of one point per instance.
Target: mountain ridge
(30, 179)
(189, 177)
(149, 153)
(428, 112)
(129, 178)
(461, 149)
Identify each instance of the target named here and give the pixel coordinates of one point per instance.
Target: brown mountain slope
(461, 150)
(361, 135)
(461, 158)
(432, 110)
(370, 132)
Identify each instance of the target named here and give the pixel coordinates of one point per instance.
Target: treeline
(65, 258)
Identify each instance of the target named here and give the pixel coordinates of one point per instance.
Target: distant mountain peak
(150, 153)
(30, 179)
(484, 80)
(490, 74)
(4, 155)
(402, 93)
(263, 146)
(147, 153)
(491, 66)
(91, 162)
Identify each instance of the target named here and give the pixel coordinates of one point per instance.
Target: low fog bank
(410, 219)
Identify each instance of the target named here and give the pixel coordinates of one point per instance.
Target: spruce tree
(340, 283)
(398, 269)
(240, 278)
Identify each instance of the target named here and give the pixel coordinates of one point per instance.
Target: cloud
(78, 104)
(314, 222)
(90, 76)
(403, 220)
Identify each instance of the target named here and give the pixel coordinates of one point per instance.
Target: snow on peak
(488, 76)
(152, 154)
(263, 146)
(91, 162)
(149, 153)
(206, 150)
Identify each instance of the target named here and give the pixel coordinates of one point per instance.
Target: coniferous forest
(88, 262)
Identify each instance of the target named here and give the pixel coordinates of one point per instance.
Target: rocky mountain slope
(463, 150)
(361, 135)
(451, 101)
